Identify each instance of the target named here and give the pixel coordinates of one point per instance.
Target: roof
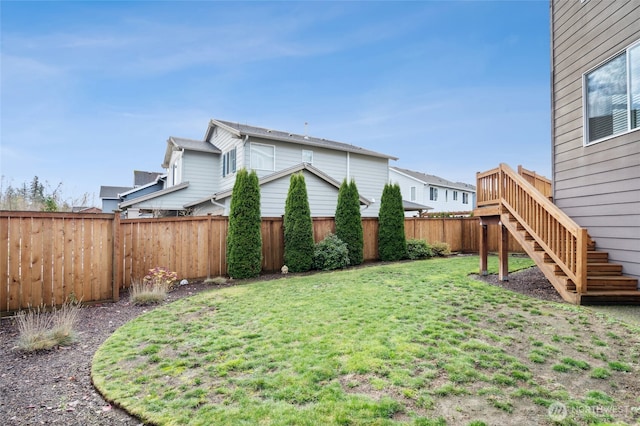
(410, 206)
(147, 185)
(142, 178)
(241, 130)
(280, 174)
(175, 143)
(154, 195)
(434, 180)
(111, 192)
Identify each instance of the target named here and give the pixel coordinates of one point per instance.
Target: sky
(91, 90)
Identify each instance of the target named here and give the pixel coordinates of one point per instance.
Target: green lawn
(418, 343)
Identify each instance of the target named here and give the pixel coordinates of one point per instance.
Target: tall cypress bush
(349, 221)
(298, 227)
(392, 242)
(244, 237)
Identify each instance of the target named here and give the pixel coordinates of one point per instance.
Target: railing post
(581, 261)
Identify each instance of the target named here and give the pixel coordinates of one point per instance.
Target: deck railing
(555, 232)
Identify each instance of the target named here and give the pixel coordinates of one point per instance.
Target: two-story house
(595, 60)
(201, 173)
(434, 193)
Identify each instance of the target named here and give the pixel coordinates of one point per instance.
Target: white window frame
(455, 195)
(413, 191)
(629, 98)
(465, 198)
(307, 156)
(433, 193)
(253, 161)
(176, 168)
(229, 162)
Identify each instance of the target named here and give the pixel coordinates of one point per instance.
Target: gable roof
(241, 130)
(280, 174)
(142, 178)
(175, 144)
(111, 192)
(434, 180)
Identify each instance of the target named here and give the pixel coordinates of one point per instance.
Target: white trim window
(307, 156)
(175, 169)
(465, 198)
(413, 193)
(263, 157)
(229, 162)
(433, 194)
(455, 195)
(612, 96)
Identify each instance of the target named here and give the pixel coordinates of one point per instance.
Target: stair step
(606, 283)
(597, 256)
(596, 269)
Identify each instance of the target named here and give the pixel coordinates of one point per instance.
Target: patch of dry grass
(41, 330)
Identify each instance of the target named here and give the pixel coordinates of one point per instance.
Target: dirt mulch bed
(54, 387)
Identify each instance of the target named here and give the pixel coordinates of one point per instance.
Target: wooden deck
(520, 204)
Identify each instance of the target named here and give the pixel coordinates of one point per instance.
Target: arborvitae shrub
(298, 227)
(330, 253)
(349, 221)
(418, 249)
(392, 244)
(244, 238)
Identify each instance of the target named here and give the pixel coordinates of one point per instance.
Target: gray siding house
(201, 174)
(595, 82)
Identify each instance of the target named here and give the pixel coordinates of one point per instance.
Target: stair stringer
(538, 257)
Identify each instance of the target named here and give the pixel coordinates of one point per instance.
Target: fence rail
(47, 258)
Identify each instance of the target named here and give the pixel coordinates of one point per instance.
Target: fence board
(4, 265)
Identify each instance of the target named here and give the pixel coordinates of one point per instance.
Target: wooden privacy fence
(47, 258)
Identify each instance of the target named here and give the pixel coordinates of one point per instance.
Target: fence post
(117, 257)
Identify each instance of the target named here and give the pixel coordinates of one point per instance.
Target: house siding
(225, 141)
(201, 170)
(370, 173)
(596, 185)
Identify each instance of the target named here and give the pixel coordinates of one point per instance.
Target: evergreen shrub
(331, 253)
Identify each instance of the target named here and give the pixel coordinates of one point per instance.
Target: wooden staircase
(563, 251)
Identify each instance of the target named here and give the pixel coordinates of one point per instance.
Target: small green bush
(418, 249)
(330, 253)
(440, 249)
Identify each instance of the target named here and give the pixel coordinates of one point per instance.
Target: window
(413, 193)
(229, 162)
(455, 195)
(433, 194)
(263, 156)
(307, 156)
(465, 198)
(612, 96)
(175, 169)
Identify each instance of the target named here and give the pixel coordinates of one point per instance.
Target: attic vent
(268, 130)
(290, 134)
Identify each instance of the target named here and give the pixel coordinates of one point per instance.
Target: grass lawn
(417, 343)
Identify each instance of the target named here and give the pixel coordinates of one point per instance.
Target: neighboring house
(110, 196)
(201, 174)
(433, 192)
(143, 183)
(85, 209)
(595, 64)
